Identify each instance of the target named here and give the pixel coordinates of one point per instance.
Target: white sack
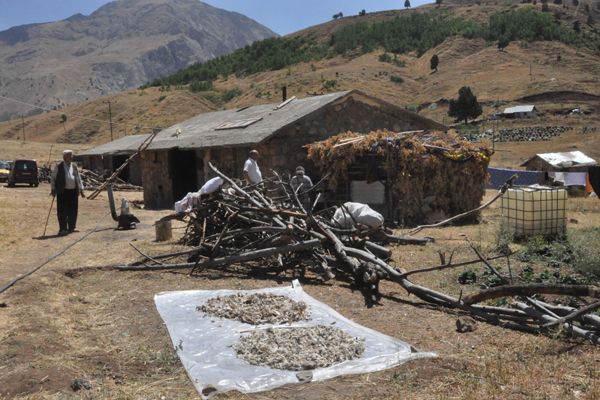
(212, 185)
(361, 213)
(187, 203)
(191, 200)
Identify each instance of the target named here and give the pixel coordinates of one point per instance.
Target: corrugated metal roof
(519, 109)
(566, 159)
(125, 145)
(201, 130)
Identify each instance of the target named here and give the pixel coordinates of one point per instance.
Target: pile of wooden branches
(276, 234)
(93, 181)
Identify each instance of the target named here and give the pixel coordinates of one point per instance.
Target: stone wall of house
(92, 163)
(158, 188)
(229, 160)
(285, 151)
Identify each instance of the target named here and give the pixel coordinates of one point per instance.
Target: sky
(282, 16)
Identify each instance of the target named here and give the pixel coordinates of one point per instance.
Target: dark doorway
(117, 161)
(182, 170)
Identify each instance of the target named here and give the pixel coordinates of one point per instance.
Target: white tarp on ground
(204, 344)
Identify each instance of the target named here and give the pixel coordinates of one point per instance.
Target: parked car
(23, 171)
(4, 170)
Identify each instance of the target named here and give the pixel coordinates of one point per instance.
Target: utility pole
(110, 119)
(530, 72)
(23, 126)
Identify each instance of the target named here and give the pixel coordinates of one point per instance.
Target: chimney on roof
(283, 93)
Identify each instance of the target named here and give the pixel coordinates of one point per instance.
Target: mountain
(557, 75)
(121, 45)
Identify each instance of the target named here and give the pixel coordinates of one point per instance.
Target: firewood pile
(427, 173)
(93, 181)
(245, 228)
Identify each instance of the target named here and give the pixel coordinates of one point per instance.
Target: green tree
(577, 26)
(503, 42)
(438, 2)
(407, 4)
(466, 106)
(434, 62)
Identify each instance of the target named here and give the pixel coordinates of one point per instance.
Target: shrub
(396, 79)
(586, 256)
(197, 86)
(503, 239)
(385, 57)
(330, 84)
(467, 277)
(230, 94)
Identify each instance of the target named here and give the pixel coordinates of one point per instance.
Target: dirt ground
(73, 320)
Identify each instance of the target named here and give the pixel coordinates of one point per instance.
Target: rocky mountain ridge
(121, 45)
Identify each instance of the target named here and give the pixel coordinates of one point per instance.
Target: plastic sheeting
(499, 176)
(345, 216)
(204, 343)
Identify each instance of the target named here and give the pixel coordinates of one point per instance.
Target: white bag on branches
(192, 199)
(345, 216)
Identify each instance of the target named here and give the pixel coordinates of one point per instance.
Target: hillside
(525, 68)
(134, 111)
(121, 45)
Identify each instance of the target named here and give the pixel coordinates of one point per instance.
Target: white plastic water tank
(535, 210)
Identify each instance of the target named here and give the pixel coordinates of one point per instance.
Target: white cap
(67, 152)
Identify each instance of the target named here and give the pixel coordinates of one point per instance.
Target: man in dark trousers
(66, 186)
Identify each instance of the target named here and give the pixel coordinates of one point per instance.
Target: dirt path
(23, 212)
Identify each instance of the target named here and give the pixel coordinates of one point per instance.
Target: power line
(71, 115)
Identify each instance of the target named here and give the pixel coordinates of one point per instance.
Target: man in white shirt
(66, 185)
(252, 173)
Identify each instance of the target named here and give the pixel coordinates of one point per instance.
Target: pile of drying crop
(260, 308)
(299, 349)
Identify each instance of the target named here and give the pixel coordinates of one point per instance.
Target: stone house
(109, 156)
(526, 111)
(176, 162)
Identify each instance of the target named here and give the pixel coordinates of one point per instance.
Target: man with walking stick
(66, 185)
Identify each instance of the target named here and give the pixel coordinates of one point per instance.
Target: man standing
(66, 186)
(301, 184)
(252, 173)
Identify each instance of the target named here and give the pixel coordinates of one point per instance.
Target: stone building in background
(176, 162)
